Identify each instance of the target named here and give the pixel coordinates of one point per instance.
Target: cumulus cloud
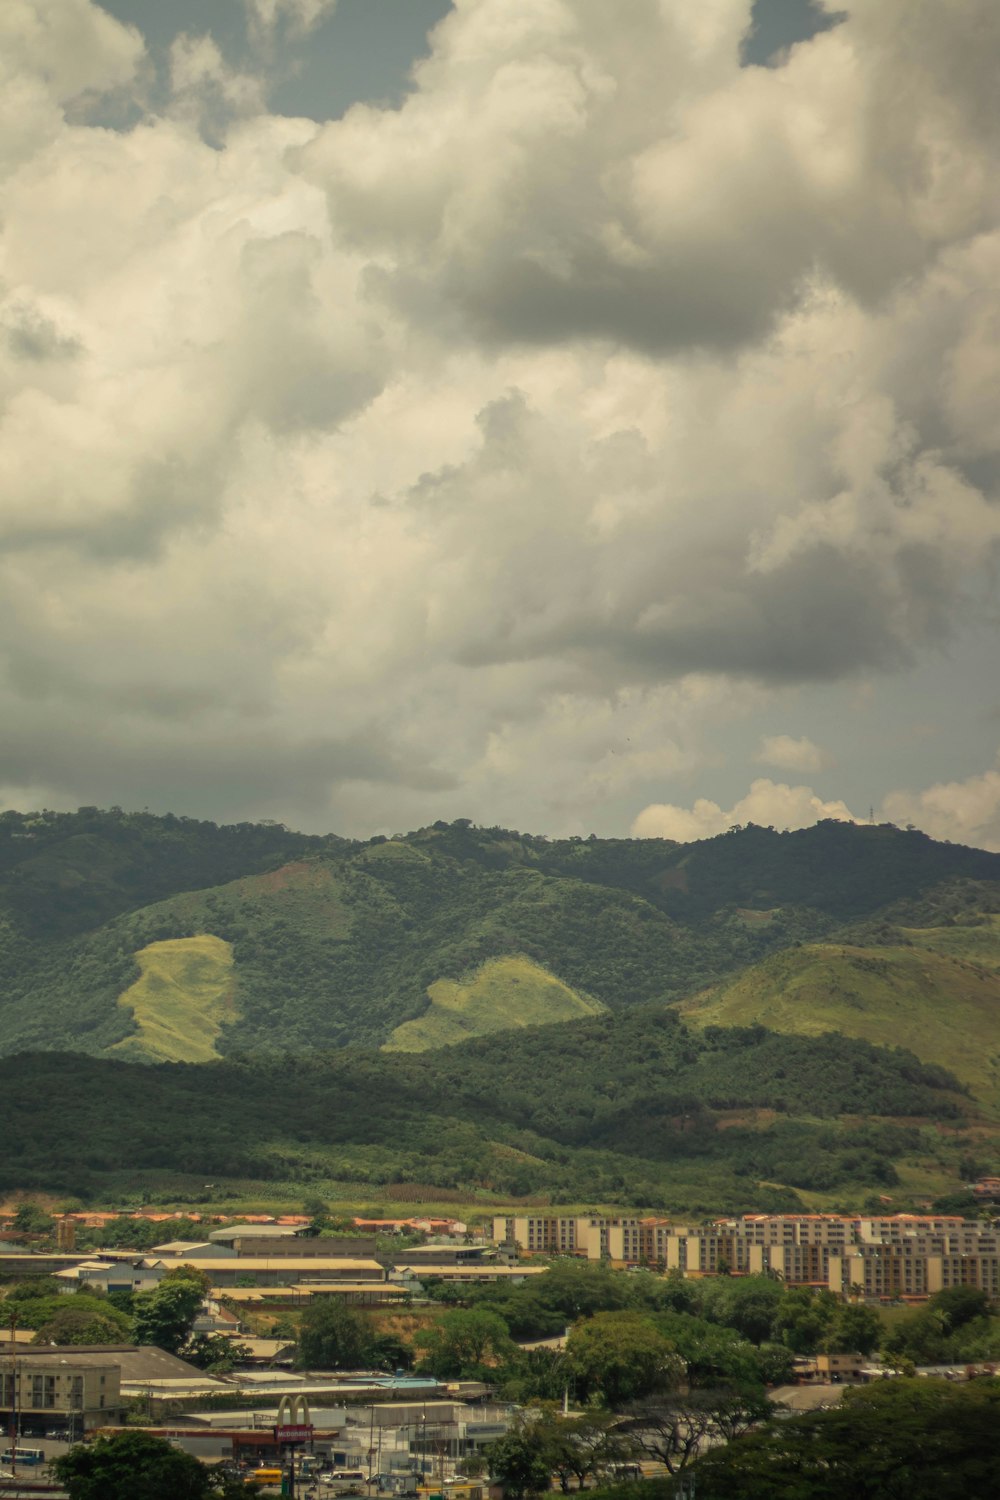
(769, 804)
(965, 812)
(962, 812)
(205, 88)
(789, 754)
(384, 461)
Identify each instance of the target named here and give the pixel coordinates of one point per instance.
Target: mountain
(937, 989)
(167, 938)
(631, 1107)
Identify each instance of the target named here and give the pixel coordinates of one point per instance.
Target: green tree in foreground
(578, 1447)
(131, 1465)
(520, 1460)
(897, 1440)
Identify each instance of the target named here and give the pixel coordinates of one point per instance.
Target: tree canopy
(129, 1465)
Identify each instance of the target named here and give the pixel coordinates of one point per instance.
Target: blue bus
(26, 1456)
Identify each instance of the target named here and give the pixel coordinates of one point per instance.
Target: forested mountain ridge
(633, 1107)
(123, 930)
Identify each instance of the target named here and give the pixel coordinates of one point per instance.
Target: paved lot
(808, 1397)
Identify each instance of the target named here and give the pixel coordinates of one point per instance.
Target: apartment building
(592, 1235)
(908, 1256)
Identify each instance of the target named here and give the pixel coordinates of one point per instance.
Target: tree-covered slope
(632, 1105)
(335, 943)
(936, 989)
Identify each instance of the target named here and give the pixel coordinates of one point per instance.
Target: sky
(571, 416)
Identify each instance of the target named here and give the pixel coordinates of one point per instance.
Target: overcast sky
(571, 415)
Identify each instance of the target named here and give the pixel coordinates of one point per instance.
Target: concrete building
(284, 1270)
(57, 1389)
(884, 1257)
(139, 1275)
(260, 1239)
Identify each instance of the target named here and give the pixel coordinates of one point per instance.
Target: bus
(264, 1476)
(25, 1456)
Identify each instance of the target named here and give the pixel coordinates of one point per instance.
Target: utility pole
(15, 1393)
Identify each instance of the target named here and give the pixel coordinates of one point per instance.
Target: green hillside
(632, 1107)
(503, 994)
(336, 943)
(927, 995)
(181, 1001)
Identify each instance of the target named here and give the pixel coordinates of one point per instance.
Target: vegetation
(181, 1000)
(335, 943)
(945, 1004)
(165, 1316)
(631, 1105)
(897, 1440)
(130, 1464)
(504, 993)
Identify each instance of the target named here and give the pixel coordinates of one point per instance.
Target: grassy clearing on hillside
(942, 1007)
(181, 1001)
(503, 993)
(977, 942)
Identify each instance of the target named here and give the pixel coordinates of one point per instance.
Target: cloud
(961, 812)
(497, 450)
(205, 89)
(301, 15)
(789, 754)
(964, 812)
(768, 804)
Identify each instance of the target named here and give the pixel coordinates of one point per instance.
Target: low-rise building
(66, 1390)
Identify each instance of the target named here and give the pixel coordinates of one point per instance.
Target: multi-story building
(590, 1235)
(885, 1257)
(46, 1389)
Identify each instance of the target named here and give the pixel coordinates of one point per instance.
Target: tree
(165, 1315)
(675, 1431)
(332, 1336)
(30, 1219)
(465, 1342)
(128, 1465)
(854, 1329)
(803, 1318)
(749, 1304)
(775, 1364)
(216, 1353)
(520, 1460)
(578, 1447)
(319, 1214)
(895, 1440)
(621, 1356)
(958, 1305)
(72, 1323)
(387, 1352)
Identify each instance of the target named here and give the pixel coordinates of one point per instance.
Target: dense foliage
(897, 1440)
(336, 942)
(131, 1464)
(586, 1109)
